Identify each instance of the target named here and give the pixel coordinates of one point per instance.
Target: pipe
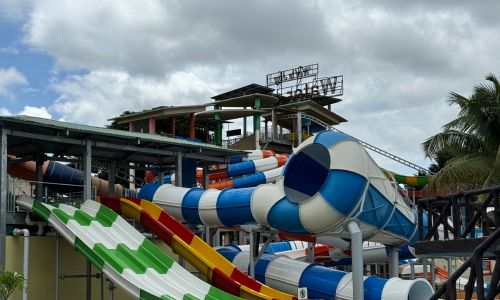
(285, 274)
(357, 259)
(39, 224)
(393, 262)
(26, 256)
(57, 265)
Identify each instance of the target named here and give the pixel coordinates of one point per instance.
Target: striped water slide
(288, 275)
(220, 272)
(252, 155)
(338, 253)
(67, 179)
(297, 250)
(329, 180)
(251, 180)
(240, 166)
(414, 181)
(122, 253)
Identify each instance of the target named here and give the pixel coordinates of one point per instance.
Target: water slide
(122, 253)
(240, 169)
(337, 255)
(287, 275)
(69, 179)
(284, 274)
(269, 176)
(220, 272)
(329, 180)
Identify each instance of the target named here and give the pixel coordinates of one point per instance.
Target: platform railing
(18, 187)
(476, 278)
(466, 215)
(460, 215)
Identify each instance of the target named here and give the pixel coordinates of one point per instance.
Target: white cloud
(100, 95)
(15, 10)
(40, 112)
(8, 78)
(4, 112)
(399, 61)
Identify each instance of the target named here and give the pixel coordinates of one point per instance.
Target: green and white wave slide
(124, 255)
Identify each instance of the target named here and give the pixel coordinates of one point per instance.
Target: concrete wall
(247, 143)
(41, 279)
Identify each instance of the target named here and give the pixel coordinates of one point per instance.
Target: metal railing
(464, 210)
(17, 187)
(461, 216)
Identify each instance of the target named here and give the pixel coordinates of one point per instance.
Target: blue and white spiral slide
(329, 179)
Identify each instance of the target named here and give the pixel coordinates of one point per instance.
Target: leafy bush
(9, 282)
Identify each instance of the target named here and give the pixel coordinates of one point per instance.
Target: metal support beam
(299, 128)
(357, 259)
(245, 125)
(39, 175)
(263, 249)
(433, 274)
(256, 123)
(310, 253)
(161, 177)
(57, 265)
(178, 169)
(274, 126)
(205, 175)
(393, 262)
(253, 241)
(3, 194)
(88, 283)
(111, 179)
(424, 267)
(87, 171)
(450, 267)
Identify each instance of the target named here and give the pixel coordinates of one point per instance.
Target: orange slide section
(219, 271)
(25, 170)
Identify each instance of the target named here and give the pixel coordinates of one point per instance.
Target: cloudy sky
(87, 61)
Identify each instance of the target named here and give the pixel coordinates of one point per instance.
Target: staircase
(463, 224)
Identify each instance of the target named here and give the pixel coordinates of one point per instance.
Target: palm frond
(470, 170)
(456, 141)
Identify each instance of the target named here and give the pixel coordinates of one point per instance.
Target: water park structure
(168, 209)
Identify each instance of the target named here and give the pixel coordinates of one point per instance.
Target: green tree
(472, 141)
(9, 282)
(115, 125)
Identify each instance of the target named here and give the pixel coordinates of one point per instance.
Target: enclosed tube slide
(251, 180)
(118, 250)
(258, 161)
(415, 181)
(54, 172)
(329, 179)
(220, 272)
(259, 165)
(335, 255)
(252, 155)
(287, 275)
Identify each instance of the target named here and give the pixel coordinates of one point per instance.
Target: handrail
(475, 263)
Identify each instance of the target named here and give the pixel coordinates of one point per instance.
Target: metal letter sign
(292, 74)
(311, 88)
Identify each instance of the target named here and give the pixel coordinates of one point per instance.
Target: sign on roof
(302, 83)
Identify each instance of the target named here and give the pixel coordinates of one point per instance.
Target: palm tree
(472, 140)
